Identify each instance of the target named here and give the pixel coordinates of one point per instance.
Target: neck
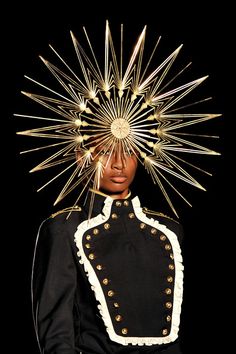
(124, 195)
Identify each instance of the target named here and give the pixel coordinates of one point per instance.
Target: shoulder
(158, 215)
(171, 223)
(62, 221)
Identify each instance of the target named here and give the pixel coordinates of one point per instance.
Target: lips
(118, 179)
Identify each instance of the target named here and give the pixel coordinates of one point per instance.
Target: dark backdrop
(205, 29)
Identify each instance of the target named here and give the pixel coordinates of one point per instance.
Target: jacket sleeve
(53, 289)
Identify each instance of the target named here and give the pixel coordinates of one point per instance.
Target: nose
(117, 162)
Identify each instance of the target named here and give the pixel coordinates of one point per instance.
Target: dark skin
(119, 171)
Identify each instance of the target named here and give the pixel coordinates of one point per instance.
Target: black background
(206, 30)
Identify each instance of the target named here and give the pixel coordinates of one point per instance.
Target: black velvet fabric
(65, 309)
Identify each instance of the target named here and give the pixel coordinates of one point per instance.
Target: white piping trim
(96, 286)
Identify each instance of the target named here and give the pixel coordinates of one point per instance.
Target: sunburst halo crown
(117, 105)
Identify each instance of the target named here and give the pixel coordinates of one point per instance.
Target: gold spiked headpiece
(130, 105)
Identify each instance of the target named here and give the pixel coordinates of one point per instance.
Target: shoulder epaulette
(152, 212)
(69, 210)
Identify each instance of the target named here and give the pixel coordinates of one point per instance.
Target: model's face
(119, 171)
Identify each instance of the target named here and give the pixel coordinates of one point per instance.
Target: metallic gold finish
(105, 281)
(110, 293)
(163, 237)
(168, 291)
(142, 226)
(124, 331)
(118, 318)
(170, 279)
(168, 305)
(153, 231)
(165, 332)
(107, 226)
(123, 104)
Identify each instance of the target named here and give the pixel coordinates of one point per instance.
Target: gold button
(110, 293)
(171, 266)
(118, 203)
(126, 203)
(153, 231)
(91, 256)
(168, 305)
(87, 245)
(170, 279)
(142, 225)
(114, 216)
(116, 305)
(105, 281)
(131, 215)
(164, 332)
(124, 330)
(168, 247)
(99, 267)
(168, 318)
(107, 226)
(88, 237)
(118, 318)
(168, 291)
(95, 231)
(163, 237)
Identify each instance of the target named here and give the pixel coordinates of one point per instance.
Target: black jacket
(108, 284)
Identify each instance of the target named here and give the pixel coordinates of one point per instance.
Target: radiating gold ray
(119, 107)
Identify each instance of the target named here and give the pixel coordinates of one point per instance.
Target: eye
(104, 152)
(129, 152)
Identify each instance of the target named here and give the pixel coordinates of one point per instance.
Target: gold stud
(118, 203)
(124, 330)
(126, 203)
(114, 216)
(107, 226)
(91, 256)
(116, 305)
(110, 293)
(168, 305)
(171, 266)
(95, 231)
(131, 215)
(164, 332)
(118, 318)
(168, 247)
(99, 267)
(170, 279)
(168, 291)
(87, 245)
(105, 281)
(142, 225)
(153, 231)
(88, 237)
(168, 318)
(163, 237)
(171, 256)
